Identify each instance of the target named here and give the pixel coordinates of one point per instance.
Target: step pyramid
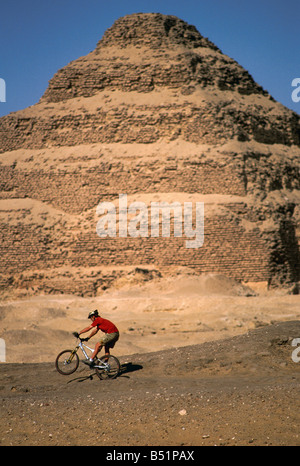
(158, 113)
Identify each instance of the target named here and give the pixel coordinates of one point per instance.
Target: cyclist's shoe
(89, 363)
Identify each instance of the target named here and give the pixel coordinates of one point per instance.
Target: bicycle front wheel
(110, 367)
(67, 362)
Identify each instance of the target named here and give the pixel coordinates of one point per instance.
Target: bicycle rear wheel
(67, 362)
(111, 369)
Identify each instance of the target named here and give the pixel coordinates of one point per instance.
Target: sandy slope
(238, 391)
(160, 314)
(202, 364)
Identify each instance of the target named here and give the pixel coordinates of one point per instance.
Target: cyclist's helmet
(93, 313)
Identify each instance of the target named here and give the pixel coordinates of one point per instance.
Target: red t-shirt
(105, 325)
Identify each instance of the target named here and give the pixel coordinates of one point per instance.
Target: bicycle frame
(81, 345)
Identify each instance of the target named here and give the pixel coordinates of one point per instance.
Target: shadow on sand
(129, 367)
(126, 368)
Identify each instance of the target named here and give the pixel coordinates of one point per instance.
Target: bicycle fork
(70, 358)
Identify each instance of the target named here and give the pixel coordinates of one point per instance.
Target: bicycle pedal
(89, 363)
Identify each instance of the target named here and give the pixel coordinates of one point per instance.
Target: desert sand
(205, 361)
(160, 314)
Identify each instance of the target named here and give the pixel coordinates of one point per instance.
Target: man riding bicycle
(108, 341)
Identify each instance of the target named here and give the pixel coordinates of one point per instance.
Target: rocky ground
(242, 390)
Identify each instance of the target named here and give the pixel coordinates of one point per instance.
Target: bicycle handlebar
(76, 335)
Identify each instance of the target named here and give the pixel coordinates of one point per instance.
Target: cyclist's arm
(93, 332)
(85, 329)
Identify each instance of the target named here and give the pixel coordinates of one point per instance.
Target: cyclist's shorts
(109, 339)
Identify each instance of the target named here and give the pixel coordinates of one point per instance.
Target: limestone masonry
(158, 112)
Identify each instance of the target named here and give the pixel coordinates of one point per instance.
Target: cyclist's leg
(110, 342)
(98, 348)
(107, 347)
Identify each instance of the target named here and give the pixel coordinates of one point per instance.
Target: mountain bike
(106, 367)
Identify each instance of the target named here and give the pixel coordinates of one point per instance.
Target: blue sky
(38, 37)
